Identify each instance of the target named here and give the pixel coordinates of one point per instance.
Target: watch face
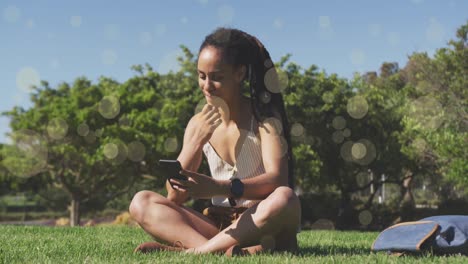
(237, 188)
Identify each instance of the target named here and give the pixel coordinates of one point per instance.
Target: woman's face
(217, 78)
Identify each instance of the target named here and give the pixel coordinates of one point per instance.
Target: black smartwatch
(237, 190)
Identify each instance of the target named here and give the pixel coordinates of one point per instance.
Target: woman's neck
(232, 109)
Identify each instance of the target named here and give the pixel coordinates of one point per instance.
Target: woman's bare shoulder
(272, 126)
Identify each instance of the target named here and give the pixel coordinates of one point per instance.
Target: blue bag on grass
(444, 234)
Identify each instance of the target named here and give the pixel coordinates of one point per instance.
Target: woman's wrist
(224, 188)
(192, 146)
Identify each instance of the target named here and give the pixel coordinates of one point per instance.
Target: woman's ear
(241, 73)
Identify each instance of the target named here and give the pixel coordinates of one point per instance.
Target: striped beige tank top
(248, 164)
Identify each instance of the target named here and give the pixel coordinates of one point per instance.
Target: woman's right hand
(203, 124)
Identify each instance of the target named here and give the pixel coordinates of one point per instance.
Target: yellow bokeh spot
(297, 130)
(357, 107)
(276, 81)
(109, 107)
(136, 151)
(171, 144)
(365, 217)
(358, 150)
(28, 154)
(57, 128)
(83, 130)
(337, 137)
(111, 150)
(339, 122)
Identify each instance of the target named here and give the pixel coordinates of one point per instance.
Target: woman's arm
(197, 133)
(275, 161)
(274, 156)
(190, 158)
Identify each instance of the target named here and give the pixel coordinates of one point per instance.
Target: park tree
(94, 141)
(436, 110)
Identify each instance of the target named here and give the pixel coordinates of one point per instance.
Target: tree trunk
(75, 212)
(407, 204)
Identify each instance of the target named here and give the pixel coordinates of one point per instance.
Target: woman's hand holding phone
(199, 186)
(172, 170)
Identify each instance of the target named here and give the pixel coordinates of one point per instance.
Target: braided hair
(239, 48)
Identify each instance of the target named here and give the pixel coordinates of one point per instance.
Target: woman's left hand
(198, 185)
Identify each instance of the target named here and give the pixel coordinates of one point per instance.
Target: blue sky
(58, 41)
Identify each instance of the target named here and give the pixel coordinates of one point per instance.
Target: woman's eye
(202, 77)
(217, 78)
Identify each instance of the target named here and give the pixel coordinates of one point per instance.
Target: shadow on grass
(332, 250)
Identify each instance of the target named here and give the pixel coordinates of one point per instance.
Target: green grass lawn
(114, 244)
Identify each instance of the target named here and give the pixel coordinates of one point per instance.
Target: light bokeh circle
(358, 150)
(297, 130)
(328, 97)
(57, 128)
(346, 132)
(26, 78)
(357, 107)
(83, 129)
(110, 150)
(275, 80)
(338, 137)
(27, 155)
(109, 107)
(365, 217)
(276, 124)
(265, 97)
(363, 152)
(11, 14)
(171, 144)
(426, 112)
(339, 122)
(136, 151)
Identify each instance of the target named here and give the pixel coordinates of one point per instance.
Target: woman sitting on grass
(247, 144)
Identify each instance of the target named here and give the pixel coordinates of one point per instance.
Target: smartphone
(172, 167)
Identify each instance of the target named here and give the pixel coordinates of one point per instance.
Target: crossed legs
(273, 223)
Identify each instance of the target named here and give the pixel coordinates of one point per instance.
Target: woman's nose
(207, 85)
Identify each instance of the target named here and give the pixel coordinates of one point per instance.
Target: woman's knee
(281, 201)
(285, 197)
(140, 202)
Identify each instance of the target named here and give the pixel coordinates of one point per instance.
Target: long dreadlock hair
(239, 48)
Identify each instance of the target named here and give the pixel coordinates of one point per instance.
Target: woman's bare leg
(165, 220)
(273, 223)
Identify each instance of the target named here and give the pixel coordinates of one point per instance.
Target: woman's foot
(236, 250)
(148, 247)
